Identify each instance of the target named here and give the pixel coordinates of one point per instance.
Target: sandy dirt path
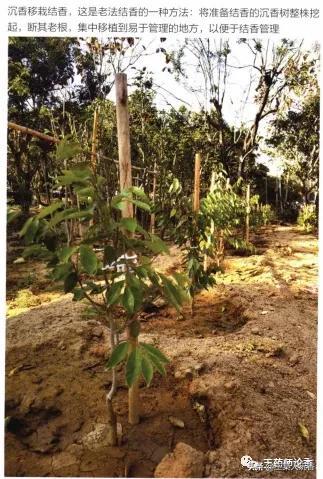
(242, 376)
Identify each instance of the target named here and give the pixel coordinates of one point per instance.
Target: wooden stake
(212, 186)
(197, 176)
(196, 205)
(248, 213)
(153, 216)
(127, 212)
(123, 138)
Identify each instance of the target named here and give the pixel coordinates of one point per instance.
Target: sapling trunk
(133, 393)
(112, 419)
(221, 248)
(247, 214)
(192, 305)
(112, 438)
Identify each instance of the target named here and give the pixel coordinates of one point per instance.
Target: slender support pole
(196, 205)
(276, 194)
(248, 213)
(94, 140)
(123, 138)
(153, 216)
(127, 212)
(212, 186)
(94, 148)
(197, 176)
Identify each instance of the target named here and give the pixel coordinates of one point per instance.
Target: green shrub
(260, 215)
(307, 218)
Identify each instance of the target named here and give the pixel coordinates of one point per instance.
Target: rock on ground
(184, 461)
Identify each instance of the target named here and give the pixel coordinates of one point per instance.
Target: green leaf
(130, 224)
(84, 191)
(32, 231)
(141, 205)
(154, 352)
(67, 149)
(36, 251)
(60, 216)
(172, 293)
(181, 279)
(51, 240)
(70, 282)
(88, 259)
(65, 253)
(128, 300)
(147, 370)
(78, 294)
(142, 272)
(12, 215)
(138, 192)
(133, 367)
(26, 226)
(158, 365)
(118, 354)
(114, 293)
(118, 202)
(175, 186)
(156, 245)
(141, 230)
(70, 213)
(110, 254)
(50, 209)
(61, 271)
(134, 281)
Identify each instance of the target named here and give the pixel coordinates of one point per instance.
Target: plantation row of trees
(56, 85)
(96, 237)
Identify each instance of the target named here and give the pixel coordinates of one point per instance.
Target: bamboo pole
(29, 131)
(248, 213)
(127, 212)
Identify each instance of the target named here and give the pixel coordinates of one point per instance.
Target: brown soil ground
(242, 376)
